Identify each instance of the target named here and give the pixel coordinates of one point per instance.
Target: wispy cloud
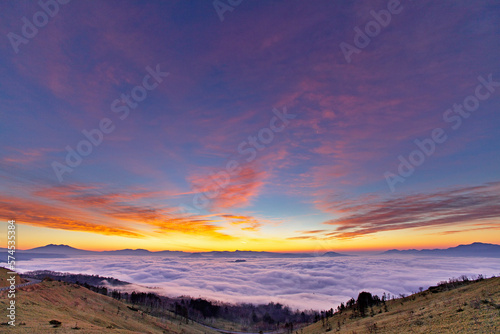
(133, 210)
(42, 215)
(247, 223)
(353, 119)
(450, 207)
(239, 191)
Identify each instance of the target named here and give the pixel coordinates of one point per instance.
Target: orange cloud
(169, 221)
(130, 207)
(251, 223)
(243, 185)
(38, 214)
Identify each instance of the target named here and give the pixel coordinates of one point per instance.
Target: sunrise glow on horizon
(170, 125)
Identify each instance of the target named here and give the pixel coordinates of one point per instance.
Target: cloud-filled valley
(302, 283)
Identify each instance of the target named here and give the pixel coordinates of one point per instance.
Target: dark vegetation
(262, 317)
(454, 283)
(364, 305)
(272, 316)
(252, 317)
(365, 300)
(55, 323)
(94, 280)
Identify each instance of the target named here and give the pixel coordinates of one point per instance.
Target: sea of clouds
(302, 283)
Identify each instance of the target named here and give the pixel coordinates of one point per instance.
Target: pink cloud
(449, 207)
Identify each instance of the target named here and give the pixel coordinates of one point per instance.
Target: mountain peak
(473, 249)
(54, 248)
(55, 245)
(333, 254)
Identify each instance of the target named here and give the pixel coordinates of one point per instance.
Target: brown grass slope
(474, 308)
(75, 306)
(4, 276)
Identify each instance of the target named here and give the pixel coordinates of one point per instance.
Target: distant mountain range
(475, 249)
(68, 251)
(56, 251)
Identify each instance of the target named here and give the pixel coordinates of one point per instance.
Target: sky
(250, 125)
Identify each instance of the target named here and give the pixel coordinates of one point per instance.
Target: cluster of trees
(262, 317)
(364, 302)
(99, 289)
(454, 283)
(94, 280)
(206, 308)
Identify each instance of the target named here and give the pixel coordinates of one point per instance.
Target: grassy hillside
(4, 276)
(75, 306)
(473, 308)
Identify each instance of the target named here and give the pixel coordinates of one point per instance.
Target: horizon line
(261, 251)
